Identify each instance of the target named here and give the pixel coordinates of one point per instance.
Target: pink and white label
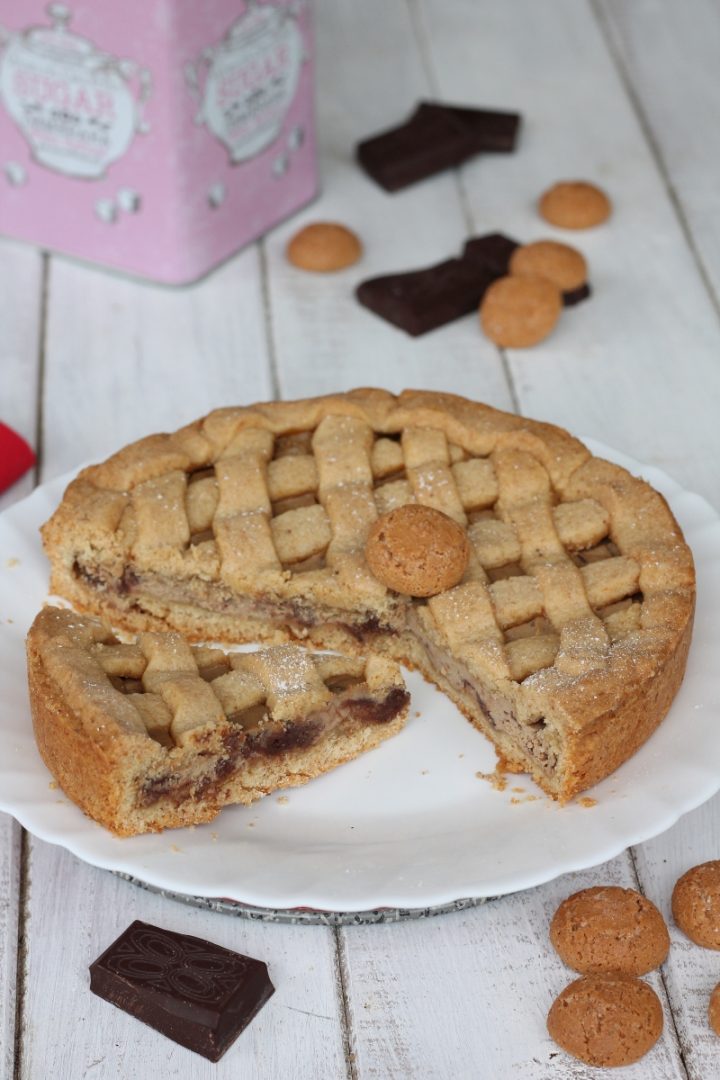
(74, 104)
(250, 80)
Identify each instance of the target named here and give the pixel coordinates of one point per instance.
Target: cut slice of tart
(158, 733)
(565, 642)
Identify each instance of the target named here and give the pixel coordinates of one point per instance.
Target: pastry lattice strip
(289, 510)
(307, 501)
(171, 690)
(549, 586)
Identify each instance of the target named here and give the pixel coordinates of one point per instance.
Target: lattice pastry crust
(157, 733)
(565, 642)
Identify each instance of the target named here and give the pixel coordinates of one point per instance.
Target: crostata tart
(156, 733)
(564, 642)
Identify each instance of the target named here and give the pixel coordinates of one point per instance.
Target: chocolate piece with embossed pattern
(197, 993)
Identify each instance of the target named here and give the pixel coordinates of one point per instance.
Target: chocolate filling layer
(272, 741)
(292, 615)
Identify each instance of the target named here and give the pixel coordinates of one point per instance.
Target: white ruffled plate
(408, 825)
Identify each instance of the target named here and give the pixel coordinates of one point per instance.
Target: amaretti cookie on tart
(565, 641)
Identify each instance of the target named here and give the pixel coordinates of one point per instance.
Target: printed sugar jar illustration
(250, 81)
(73, 103)
(154, 136)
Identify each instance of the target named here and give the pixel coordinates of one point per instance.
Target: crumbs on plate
(496, 779)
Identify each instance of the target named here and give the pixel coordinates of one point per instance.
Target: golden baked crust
(565, 642)
(156, 734)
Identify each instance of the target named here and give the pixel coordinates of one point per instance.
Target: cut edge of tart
(157, 733)
(565, 642)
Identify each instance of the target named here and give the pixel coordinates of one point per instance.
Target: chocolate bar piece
(197, 993)
(494, 132)
(492, 251)
(422, 300)
(574, 296)
(434, 138)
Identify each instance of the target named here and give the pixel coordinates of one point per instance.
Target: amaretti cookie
(608, 930)
(417, 550)
(696, 904)
(517, 312)
(324, 247)
(714, 1010)
(606, 1020)
(575, 204)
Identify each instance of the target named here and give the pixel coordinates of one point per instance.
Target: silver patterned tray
(301, 915)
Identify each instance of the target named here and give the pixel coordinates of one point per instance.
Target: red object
(16, 456)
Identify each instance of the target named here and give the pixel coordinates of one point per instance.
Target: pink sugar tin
(156, 137)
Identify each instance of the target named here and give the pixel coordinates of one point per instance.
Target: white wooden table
(621, 91)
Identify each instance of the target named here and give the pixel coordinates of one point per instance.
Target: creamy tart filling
(142, 590)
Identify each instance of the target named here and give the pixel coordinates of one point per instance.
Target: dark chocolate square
(494, 132)
(493, 251)
(197, 993)
(434, 138)
(430, 141)
(576, 296)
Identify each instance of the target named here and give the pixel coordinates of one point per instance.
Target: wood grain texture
(669, 55)
(632, 365)
(467, 995)
(297, 1034)
(126, 359)
(324, 340)
(9, 915)
(21, 303)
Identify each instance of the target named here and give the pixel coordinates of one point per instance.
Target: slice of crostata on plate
(157, 733)
(564, 641)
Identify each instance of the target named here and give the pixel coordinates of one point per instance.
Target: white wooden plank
(76, 911)
(637, 365)
(370, 77)
(467, 995)
(691, 973)
(9, 914)
(21, 274)
(126, 359)
(669, 55)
